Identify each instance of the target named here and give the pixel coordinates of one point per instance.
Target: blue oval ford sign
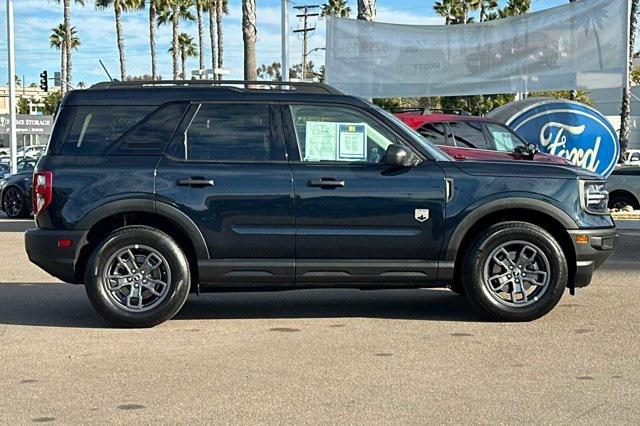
(567, 129)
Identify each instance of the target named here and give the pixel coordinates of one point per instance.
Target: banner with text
(581, 45)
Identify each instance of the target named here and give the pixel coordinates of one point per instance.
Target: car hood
(524, 169)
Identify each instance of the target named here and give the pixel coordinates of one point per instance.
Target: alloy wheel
(517, 273)
(13, 202)
(137, 278)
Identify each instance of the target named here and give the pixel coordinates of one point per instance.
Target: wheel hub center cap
(137, 277)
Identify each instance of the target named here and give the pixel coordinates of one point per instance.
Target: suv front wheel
(515, 271)
(138, 277)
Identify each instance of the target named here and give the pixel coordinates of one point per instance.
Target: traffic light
(44, 81)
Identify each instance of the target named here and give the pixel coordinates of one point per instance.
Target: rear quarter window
(95, 128)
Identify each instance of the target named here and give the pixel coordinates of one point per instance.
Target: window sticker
(331, 141)
(503, 141)
(320, 141)
(352, 141)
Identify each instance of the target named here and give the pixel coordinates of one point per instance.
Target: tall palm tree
(201, 5)
(212, 10)
(58, 39)
(172, 12)
(367, 10)
(65, 73)
(222, 9)
(186, 49)
(120, 7)
(338, 8)
(249, 36)
(625, 127)
(154, 7)
(515, 8)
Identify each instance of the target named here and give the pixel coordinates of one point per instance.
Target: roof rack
(303, 87)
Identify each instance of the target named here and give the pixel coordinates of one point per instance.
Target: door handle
(195, 181)
(328, 183)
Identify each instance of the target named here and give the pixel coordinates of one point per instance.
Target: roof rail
(303, 87)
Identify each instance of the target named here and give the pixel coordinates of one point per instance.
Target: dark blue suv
(150, 191)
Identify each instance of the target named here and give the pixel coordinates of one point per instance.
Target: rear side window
(229, 132)
(95, 128)
(469, 134)
(151, 135)
(434, 133)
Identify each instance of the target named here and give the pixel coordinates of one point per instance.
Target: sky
(34, 20)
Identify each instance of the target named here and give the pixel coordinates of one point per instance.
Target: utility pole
(13, 139)
(305, 30)
(285, 40)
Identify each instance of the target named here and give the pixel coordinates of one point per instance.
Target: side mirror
(397, 155)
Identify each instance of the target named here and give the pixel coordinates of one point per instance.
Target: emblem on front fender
(422, 215)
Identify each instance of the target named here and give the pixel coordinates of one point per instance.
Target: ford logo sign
(567, 129)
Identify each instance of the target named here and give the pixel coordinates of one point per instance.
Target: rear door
(357, 218)
(227, 170)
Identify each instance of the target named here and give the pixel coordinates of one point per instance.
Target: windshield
(433, 150)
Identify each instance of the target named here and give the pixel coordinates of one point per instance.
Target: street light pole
(285, 40)
(13, 140)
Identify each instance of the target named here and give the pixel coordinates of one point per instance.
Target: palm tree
(119, 7)
(187, 49)
(486, 9)
(65, 73)
(625, 127)
(81, 85)
(221, 10)
(447, 9)
(367, 10)
(154, 7)
(338, 8)
(172, 12)
(515, 8)
(249, 35)
(212, 9)
(58, 40)
(201, 5)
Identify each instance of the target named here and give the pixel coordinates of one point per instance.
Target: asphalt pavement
(319, 356)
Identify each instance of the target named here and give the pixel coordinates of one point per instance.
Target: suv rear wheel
(138, 277)
(515, 271)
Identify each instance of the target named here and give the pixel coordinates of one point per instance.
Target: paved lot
(319, 356)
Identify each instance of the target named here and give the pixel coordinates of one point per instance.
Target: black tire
(15, 203)
(480, 256)
(620, 200)
(140, 237)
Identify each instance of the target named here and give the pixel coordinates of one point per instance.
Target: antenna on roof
(105, 69)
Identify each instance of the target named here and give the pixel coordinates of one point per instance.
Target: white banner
(581, 45)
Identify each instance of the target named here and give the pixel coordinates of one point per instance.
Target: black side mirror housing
(532, 149)
(397, 155)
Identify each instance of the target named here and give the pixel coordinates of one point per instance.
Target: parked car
(624, 188)
(15, 190)
(149, 191)
(631, 157)
(467, 137)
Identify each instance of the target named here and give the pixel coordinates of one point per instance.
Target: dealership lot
(325, 356)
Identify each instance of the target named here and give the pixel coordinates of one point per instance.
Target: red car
(474, 138)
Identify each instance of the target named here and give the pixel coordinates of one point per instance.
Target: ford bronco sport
(150, 191)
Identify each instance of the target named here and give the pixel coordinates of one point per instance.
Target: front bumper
(43, 249)
(592, 252)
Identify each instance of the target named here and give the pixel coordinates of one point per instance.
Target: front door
(357, 218)
(227, 170)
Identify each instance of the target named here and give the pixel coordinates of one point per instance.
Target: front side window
(503, 139)
(469, 134)
(330, 133)
(229, 132)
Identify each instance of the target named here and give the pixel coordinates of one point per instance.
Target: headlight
(594, 198)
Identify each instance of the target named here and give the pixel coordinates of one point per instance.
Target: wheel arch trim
(141, 205)
(476, 215)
